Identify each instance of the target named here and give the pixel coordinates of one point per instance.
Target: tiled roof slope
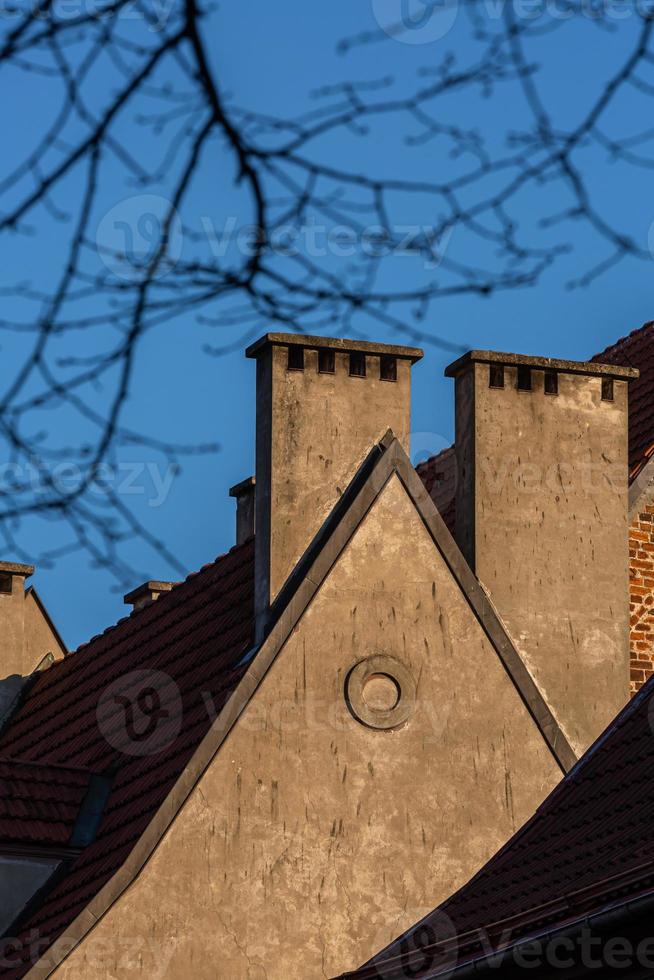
(637, 350)
(589, 843)
(439, 477)
(39, 804)
(197, 635)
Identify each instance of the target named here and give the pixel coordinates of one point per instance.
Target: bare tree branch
(308, 237)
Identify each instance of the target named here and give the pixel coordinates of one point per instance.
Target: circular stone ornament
(380, 692)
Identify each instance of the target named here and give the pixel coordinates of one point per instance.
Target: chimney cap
(14, 568)
(412, 354)
(245, 486)
(147, 592)
(540, 363)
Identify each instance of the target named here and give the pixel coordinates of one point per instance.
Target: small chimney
(541, 516)
(322, 403)
(146, 594)
(13, 654)
(244, 493)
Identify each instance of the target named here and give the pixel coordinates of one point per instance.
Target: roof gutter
(597, 922)
(489, 963)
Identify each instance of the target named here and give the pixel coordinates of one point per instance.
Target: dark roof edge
(492, 959)
(385, 459)
(641, 491)
(332, 343)
(542, 363)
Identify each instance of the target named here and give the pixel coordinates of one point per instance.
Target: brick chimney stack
(322, 404)
(541, 516)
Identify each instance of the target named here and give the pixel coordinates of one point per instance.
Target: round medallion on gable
(380, 692)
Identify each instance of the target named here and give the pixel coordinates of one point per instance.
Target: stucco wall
(12, 629)
(312, 840)
(313, 432)
(40, 637)
(543, 499)
(26, 635)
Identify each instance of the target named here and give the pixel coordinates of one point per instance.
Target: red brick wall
(641, 560)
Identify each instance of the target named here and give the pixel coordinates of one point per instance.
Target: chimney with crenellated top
(28, 637)
(541, 516)
(322, 404)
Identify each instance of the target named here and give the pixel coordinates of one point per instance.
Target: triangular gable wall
(312, 823)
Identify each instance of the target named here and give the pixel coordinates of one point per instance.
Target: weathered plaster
(41, 635)
(27, 634)
(542, 519)
(311, 839)
(313, 432)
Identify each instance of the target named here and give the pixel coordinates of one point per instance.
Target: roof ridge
(160, 603)
(622, 340)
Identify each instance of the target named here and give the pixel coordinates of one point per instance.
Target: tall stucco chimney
(541, 516)
(322, 404)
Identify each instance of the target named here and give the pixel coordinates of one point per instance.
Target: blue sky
(271, 57)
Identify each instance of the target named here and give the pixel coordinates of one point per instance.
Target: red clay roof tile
(39, 804)
(196, 636)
